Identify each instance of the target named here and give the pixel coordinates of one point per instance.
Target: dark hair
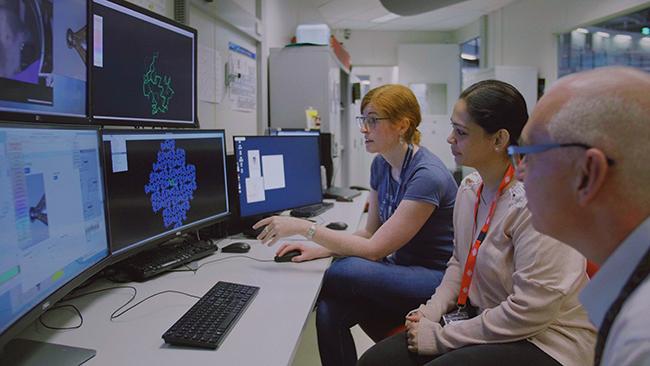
(495, 105)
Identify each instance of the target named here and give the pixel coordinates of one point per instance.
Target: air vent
(180, 11)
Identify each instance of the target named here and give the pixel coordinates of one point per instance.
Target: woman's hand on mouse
(276, 227)
(307, 252)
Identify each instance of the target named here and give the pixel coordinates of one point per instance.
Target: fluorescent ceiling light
(603, 34)
(385, 18)
(581, 30)
(468, 56)
(623, 37)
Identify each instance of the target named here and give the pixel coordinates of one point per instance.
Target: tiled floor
(307, 352)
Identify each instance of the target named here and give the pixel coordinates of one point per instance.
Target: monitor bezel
(50, 301)
(44, 118)
(307, 131)
(91, 58)
(260, 214)
(134, 248)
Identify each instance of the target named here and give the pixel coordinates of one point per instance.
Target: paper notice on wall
(242, 68)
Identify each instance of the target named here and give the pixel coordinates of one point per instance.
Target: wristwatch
(311, 232)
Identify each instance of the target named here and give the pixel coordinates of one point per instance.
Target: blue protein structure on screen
(171, 184)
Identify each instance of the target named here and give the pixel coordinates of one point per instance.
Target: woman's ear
(501, 139)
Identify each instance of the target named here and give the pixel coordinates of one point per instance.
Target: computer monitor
(324, 142)
(293, 132)
(52, 223)
(43, 53)
(162, 183)
(143, 67)
(276, 173)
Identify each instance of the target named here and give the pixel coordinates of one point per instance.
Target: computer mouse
(286, 257)
(337, 225)
(236, 247)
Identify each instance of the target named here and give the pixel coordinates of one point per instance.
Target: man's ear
(593, 171)
(501, 139)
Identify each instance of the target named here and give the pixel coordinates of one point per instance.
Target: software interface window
(276, 173)
(143, 68)
(158, 183)
(51, 213)
(43, 57)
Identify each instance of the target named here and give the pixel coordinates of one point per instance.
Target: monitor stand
(25, 352)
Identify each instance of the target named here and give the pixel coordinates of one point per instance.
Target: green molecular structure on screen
(157, 88)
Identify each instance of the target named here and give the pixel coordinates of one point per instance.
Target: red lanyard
(471, 257)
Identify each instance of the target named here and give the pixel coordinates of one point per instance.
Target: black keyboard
(164, 258)
(311, 210)
(345, 193)
(207, 323)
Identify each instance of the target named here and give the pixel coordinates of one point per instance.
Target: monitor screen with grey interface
(52, 224)
(276, 173)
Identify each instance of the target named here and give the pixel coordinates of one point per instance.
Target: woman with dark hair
(398, 259)
(509, 295)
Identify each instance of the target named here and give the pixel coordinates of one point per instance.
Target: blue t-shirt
(426, 179)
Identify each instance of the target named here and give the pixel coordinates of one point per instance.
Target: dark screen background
(301, 172)
(130, 214)
(129, 45)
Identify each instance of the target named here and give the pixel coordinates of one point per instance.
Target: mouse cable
(219, 260)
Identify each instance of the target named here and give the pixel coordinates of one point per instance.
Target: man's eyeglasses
(368, 122)
(518, 153)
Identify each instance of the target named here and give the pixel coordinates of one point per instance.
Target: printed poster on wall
(243, 86)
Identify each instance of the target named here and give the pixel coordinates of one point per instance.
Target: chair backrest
(592, 268)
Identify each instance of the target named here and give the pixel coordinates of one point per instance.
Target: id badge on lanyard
(465, 310)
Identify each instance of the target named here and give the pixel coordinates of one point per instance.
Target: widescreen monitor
(293, 132)
(276, 173)
(52, 223)
(143, 67)
(162, 183)
(43, 58)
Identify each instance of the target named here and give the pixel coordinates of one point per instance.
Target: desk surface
(266, 334)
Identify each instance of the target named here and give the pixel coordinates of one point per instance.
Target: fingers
(262, 222)
(411, 340)
(283, 249)
(268, 233)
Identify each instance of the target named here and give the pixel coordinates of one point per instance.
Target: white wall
(379, 48)
(436, 64)
(280, 23)
(524, 32)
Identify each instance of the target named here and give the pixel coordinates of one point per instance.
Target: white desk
(266, 334)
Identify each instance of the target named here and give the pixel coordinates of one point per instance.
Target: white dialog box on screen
(273, 171)
(255, 189)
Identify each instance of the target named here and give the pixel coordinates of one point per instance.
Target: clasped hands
(411, 323)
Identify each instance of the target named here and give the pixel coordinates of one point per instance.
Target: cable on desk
(219, 260)
(116, 315)
(232, 256)
(81, 318)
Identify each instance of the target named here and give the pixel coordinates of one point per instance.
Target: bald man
(584, 160)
